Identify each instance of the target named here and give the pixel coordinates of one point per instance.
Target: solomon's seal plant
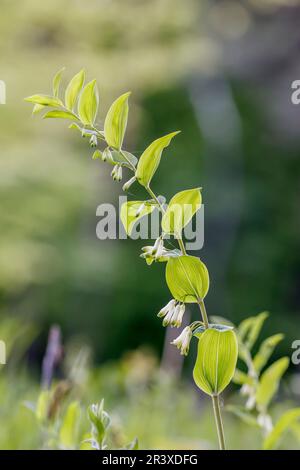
(186, 276)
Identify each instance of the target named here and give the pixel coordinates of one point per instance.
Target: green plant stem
(218, 420)
(153, 195)
(203, 312)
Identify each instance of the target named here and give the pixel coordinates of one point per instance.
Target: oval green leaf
(73, 89)
(187, 278)
(116, 122)
(216, 360)
(150, 159)
(88, 103)
(180, 210)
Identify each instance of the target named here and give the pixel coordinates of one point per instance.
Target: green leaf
(133, 211)
(284, 424)
(269, 382)
(241, 378)
(69, 428)
(265, 351)
(187, 278)
(123, 159)
(249, 329)
(243, 414)
(73, 89)
(116, 122)
(37, 108)
(180, 210)
(42, 405)
(56, 82)
(150, 159)
(60, 114)
(88, 103)
(216, 360)
(44, 100)
(97, 154)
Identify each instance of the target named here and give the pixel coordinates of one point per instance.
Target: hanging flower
(182, 342)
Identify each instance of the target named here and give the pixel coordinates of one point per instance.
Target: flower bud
(93, 141)
(178, 315)
(119, 173)
(166, 308)
(106, 155)
(182, 342)
(128, 183)
(158, 247)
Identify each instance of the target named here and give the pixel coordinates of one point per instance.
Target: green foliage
(133, 211)
(150, 159)
(73, 90)
(260, 385)
(116, 122)
(56, 82)
(187, 278)
(269, 382)
(180, 211)
(283, 425)
(69, 428)
(44, 100)
(88, 103)
(216, 360)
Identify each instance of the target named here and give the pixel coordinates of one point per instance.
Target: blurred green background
(219, 71)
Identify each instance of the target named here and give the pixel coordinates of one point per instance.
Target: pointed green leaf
(133, 211)
(187, 278)
(60, 114)
(56, 82)
(116, 122)
(243, 414)
(249, 329)
(265, 351)
(150, 159)
(88, 103)
(180, 210)
(216, 360)
(73, 89)
(37, 108)
(44, 100)
(284, 424)
(68, 433)
(241, 378)
(269, 382)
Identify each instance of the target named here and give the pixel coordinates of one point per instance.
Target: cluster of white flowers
(172, 313)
